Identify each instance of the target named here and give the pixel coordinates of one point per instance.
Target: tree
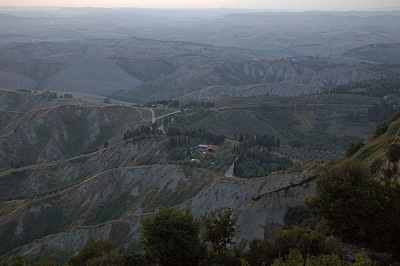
(354, 147)
(44, 262)
(298, 215)
(260, 252)
(93, 253)
(393, 152)
(358, 208)
(17, 260)
(220, 229)
(295, 258)
(171, 237)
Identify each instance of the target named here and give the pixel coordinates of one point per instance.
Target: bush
(354, 147)
(299, 216)
(171, 237)
(358, 208)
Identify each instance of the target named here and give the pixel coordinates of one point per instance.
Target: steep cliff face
(73, 186)
(217, 80)
(258, 203)
(100, 198)
(53, 133)
(19, 101)
(382, 153)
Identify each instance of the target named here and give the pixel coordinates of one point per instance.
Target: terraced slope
(53, 133)
(76, 187)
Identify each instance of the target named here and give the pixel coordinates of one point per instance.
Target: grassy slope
(320, 125)
(374, 153)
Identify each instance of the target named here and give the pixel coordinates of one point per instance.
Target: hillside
(382, 152)
(94, 76)
(73, 194)
(109, 115)
(80, 177)
(53, 133)
(385, 53)
(86, 212)
(140, 70)
(247, 78)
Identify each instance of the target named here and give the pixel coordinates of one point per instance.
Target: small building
(213, 148)
(203, 146)
(207, 148)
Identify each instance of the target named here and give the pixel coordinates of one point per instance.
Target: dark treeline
(142, 131)
(173, 237)
(169, 103)
(375, 88)
(199, 105)
(380, 112)
(267, 141)
(182, 137)
(254, 156)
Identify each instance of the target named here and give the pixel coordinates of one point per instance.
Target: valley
(108, 116)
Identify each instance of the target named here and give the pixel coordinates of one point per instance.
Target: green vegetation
(8, 206)
(11, 185)
(354, 147)
(93, 253)
(47, 95)
(374, 88)
(76, 128)
(6, 239)
(166, 103)
(256, 163)
(171, 237)
(111, 209)
(175, 237)
(310, 127)
(103, 137)
(295, 258)
(220, 227)
(358, 208)
(170, 199)
(254, 157)
(140, 132)
(349, 203)
(50, 220)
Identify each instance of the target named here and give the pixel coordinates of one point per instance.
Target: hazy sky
(264, 4)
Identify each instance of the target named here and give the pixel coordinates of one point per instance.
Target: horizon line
(381, 9)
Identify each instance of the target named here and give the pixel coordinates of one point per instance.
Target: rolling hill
(101, 185)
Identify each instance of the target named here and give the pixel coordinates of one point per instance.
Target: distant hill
(246, 78)
(384, 53)
(93, 76)
(142, 70)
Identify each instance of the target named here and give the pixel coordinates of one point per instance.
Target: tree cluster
(255, 163)
(358, 208)
(142, 131)
(175, 237)
(380, 112)
(169, 103)
(375, 88)
(182, 137)
(254, 157)
(200, 105)
(47, 95)
(267, 141)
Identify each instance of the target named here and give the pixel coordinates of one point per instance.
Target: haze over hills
(274, 94)
(200, 55)
(140, 70)
(318, 33)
